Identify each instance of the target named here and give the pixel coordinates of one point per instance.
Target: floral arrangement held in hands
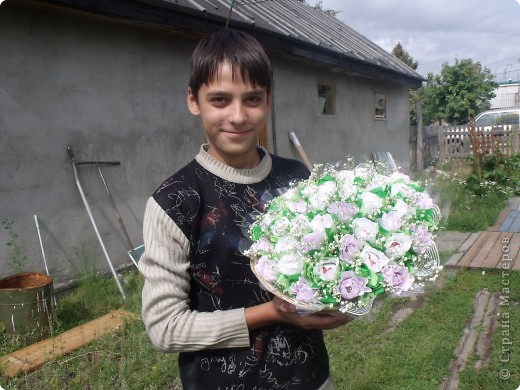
(344, 236)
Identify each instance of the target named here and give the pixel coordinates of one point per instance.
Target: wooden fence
(445, 142)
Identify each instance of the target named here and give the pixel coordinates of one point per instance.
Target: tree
(407, 59)
(403, 55)
(460, 91)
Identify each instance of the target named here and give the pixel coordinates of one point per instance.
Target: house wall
(116, 92)
(353, 131)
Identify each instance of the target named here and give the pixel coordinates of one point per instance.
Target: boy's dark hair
(243, 52)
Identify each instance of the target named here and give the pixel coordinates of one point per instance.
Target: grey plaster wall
(117, 92)
(353, 131)
(111, 92)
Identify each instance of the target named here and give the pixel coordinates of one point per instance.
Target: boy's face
(233, 114)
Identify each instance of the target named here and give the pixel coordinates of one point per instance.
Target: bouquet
(341, 238)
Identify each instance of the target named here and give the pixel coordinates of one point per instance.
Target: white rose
(291, 264)
(327, 270)
(365, 230)
(327, 189)
(322, 222)
(281, 226)
(297, 207)
(285, 244)
(401, 188)
(423, 201)
(402, 209)
(391, 221)
(374, 259)
(397, 245)
(371, 203)
(300, 225)
(394, 176)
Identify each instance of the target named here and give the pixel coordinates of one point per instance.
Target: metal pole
(118, 216)
(43, 254)
(87, 207)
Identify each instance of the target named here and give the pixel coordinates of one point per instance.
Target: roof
(288, 26)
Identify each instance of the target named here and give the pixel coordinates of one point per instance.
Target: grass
(369, 353)
(462, 208)
(364, 355)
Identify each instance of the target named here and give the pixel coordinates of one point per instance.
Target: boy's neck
(240, 162)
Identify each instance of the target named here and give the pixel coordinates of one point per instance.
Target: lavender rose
(343, 210)
(391, 221)
(349, 246)
(313, 240)
(397, 277)
(422, 239)
(267, 269)
(352, 286)
(303, 291)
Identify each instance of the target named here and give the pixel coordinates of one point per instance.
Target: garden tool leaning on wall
(89, 212)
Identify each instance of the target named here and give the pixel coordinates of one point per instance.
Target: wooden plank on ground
(500, 220)
(475, 248)
(493, 258)
(35, 355)
(485, 250)
(514, 251)
(511, 223)
(454, 259)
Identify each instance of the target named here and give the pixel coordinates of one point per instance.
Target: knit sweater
(197, 282)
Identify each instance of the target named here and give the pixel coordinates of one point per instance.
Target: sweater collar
(239, 176)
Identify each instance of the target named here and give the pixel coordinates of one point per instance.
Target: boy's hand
(324, 321)
(278, 311)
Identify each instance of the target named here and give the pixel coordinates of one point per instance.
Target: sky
(440, 31)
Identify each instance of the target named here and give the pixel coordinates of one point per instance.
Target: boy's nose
(238, 113)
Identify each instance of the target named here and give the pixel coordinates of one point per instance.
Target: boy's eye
(254, 100)
(218, 100)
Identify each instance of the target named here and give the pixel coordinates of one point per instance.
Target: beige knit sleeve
(169, 322)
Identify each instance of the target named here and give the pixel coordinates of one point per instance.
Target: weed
(17, 259)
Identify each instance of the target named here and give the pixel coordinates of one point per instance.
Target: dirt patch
(404, 312)
(476, 338)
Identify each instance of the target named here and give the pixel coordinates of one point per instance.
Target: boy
(200, 297)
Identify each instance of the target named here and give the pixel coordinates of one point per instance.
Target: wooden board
(455, 258)
(511, 223)
(35, 355)
(474, 249)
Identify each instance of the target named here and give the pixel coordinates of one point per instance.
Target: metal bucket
(26, 305)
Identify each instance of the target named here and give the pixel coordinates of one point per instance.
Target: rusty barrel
(26, 305)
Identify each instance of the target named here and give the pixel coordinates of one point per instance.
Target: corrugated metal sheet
(295, 20)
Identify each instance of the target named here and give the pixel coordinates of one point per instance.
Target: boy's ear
(193, 104)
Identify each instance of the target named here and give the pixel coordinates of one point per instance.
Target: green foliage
(399, 52)
(17, 259)
(460, 91)
(494, 173)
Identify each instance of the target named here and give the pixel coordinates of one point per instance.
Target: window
(379, 105)
(326, 99)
